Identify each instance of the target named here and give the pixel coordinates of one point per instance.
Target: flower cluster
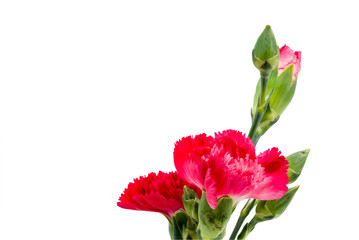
(214, 173)
(224, 165)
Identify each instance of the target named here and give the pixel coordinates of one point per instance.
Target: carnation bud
(282, 88)
(190, 202)
(296, 164)
(213, 222)
(267, 210)
(265, 54)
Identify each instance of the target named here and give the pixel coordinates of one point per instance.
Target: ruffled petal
(160, 192)
(286, 57)
(297, 64)
(273, 182)
(189, 158)
(236, 143)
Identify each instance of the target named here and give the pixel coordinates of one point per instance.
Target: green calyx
(213, 222)
(182, 227)
(190, 202)
(282, 88)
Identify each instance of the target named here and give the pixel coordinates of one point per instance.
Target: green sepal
(284, 89)
(191, 202)
(175, 230)
(269, 118)
(267, 210)
(213, 222)
(183, 227)
(296, 163)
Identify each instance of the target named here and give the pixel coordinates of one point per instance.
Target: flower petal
(160, 192)
(273, 183)
(236, 143)
(286, 57)
(189, 155)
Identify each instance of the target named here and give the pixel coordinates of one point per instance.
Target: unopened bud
(265, 54)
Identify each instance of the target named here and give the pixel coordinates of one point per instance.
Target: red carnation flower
(160, 192)
(227, 165)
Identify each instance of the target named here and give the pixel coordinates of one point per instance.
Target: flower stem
(256, 121)
(262, 98)
(199, 235)
(244, 213)
(259, 111)
(254, 137)
(247, 229)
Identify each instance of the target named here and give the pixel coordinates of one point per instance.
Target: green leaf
(296, 163)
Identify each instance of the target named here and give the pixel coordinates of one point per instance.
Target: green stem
(247, 229)
(255, 124)
(254, 137)
(244, 213)
(259, 111)
(262, 98)
(199, 235)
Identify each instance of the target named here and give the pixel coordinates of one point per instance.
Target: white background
(95, 93)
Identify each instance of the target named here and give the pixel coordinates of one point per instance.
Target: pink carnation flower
(227, 165)
(160, 192)
(286, 57)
